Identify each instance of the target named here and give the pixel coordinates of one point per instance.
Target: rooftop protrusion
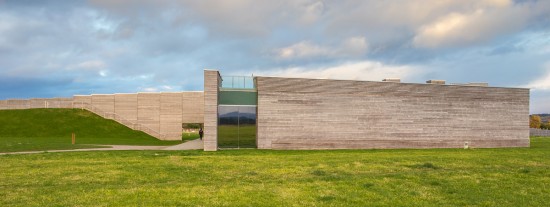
(396, 80)
(439, 82)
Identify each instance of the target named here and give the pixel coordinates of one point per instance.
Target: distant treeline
(539, 121)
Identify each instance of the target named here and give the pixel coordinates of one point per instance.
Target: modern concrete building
(297, 113)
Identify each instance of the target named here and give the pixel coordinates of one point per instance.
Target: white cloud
(304, 49)
(354, 46)
(495, 18)
(93, 65)
(542, 83)
(149, 89)
(103, 73)
(365, 70)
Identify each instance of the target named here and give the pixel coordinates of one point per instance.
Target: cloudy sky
(55, 48)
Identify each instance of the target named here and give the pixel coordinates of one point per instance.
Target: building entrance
(237, 126)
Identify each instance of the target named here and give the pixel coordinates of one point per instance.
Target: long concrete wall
(335, 114)
(158, 114)
(36, 103)
(539, 132)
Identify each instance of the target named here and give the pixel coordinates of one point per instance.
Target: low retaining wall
(539, 132)
(36, 103)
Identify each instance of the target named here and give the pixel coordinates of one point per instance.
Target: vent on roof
(439, 82)
(396, 80)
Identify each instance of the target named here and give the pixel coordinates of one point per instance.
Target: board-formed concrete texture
(298, 113)
(3, 104)
(60, 103)
(82, 101)
(539, 132)
(149, 110)
(126, 106)
(105, 103)
(193, 107)
(36, 103)
(39, 103)
(18, 104)
(171, 115)
(212, 82)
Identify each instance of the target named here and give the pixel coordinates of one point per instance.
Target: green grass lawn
(48, 129)
(427, 177)
(186, 136)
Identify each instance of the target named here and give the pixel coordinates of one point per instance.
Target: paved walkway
(190, 145)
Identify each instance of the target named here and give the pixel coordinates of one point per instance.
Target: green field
(427, 177)
(49, 129)
(185, 136)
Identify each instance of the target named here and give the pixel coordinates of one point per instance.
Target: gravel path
(190, 145)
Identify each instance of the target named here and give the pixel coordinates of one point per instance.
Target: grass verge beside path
(49, 129)
(426, 177)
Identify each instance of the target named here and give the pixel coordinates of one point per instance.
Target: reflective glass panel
(228, 128)
(247, 126)
(237, 126)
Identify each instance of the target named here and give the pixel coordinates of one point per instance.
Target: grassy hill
(46, 129)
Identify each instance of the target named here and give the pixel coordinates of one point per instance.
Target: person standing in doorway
(200, 133)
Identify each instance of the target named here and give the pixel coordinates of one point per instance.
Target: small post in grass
(73, 136)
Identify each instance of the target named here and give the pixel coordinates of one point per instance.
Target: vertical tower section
(212, 81)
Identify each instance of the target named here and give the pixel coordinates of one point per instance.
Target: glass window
(237, 126)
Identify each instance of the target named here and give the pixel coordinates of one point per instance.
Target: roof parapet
(482, 84)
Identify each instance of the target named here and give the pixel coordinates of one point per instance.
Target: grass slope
(428, 177)
(47, 129)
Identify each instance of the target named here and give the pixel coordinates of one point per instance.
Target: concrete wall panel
(193, 107)
(126, 106)
(82, 101)
(60, 103)
(171, 115)
(149, 110)
(105, 103)
(334, 114)
(38, 103)
(539, 132)
(3, 104)
(18, 104)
